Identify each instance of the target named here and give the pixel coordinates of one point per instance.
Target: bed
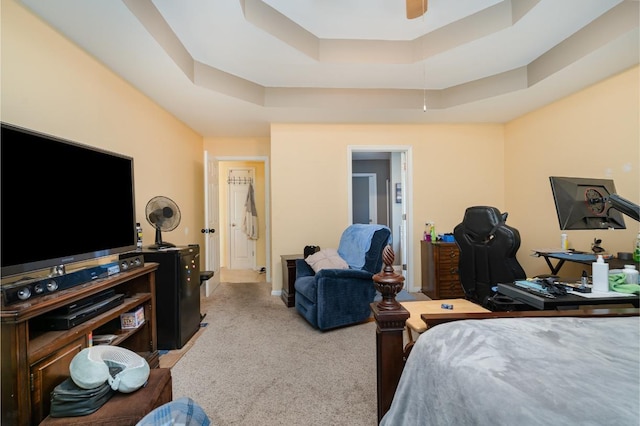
(506, 368)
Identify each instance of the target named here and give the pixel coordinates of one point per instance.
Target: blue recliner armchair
(337, 297)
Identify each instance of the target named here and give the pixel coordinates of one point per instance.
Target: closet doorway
(218, 207)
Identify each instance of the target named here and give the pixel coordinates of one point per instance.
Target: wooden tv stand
(34, 362)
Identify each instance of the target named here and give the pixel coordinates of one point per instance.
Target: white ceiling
(232, 67)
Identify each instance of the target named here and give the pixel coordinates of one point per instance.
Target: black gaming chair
(488, 249)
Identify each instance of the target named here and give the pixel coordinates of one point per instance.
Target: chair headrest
(482, 220)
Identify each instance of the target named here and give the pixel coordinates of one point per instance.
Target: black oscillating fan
(164, 215)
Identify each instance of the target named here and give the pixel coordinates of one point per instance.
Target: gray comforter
(522, 371)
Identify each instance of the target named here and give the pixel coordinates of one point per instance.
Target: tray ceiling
(232, 67)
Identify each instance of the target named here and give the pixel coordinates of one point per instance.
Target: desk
(564, 302)
(583, 258)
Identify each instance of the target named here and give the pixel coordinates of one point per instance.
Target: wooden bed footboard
(390, 317)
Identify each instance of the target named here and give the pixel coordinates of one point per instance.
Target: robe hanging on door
(250, 222)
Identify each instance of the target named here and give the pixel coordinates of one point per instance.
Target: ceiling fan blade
(416, 8)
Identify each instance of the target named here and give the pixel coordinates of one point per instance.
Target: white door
(212, 222)
(242, 249)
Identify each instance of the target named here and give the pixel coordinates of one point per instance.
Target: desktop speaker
(131, 260)
(31, 288)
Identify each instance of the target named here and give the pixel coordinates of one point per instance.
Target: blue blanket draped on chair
(355, 243)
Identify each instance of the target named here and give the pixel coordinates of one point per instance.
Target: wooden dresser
(440, 278)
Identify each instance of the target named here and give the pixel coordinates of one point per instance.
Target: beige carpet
(171, 358)
(260, 363)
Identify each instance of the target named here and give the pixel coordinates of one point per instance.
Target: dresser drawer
(448, 254)
(448, 272)
(440, 277)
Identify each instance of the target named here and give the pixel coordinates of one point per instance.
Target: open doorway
(389, 167)
(218, 213)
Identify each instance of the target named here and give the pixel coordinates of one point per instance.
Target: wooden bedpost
(390, 319)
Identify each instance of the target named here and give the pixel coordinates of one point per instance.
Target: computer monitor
(589, 203)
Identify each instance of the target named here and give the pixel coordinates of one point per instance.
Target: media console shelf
(34, 362)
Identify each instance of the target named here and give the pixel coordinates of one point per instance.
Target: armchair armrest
(304, 270)
(343, 296)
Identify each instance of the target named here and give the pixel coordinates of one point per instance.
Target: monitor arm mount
(624, 206)
(614, 201)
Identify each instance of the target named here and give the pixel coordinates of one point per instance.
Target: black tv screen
(62, 202)
(584, 203)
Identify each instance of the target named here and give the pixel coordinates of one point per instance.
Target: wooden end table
(417, 308)
(288, 294)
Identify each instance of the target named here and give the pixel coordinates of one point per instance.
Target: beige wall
(51, 86)
(237, 147)
(593, 133)
(309, 177)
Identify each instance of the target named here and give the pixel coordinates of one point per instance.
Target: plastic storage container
(600, 275)
(631, 274)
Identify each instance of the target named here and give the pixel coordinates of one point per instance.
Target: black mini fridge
(177, 294)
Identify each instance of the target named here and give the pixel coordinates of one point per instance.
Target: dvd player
(62, 319)
(86, 302)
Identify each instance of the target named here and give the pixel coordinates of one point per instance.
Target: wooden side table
(417, 308)
(288, 295)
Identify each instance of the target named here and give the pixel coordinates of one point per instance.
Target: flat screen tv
(62, 202)
(586, 203)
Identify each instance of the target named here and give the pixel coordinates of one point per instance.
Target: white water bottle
(600, 275)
